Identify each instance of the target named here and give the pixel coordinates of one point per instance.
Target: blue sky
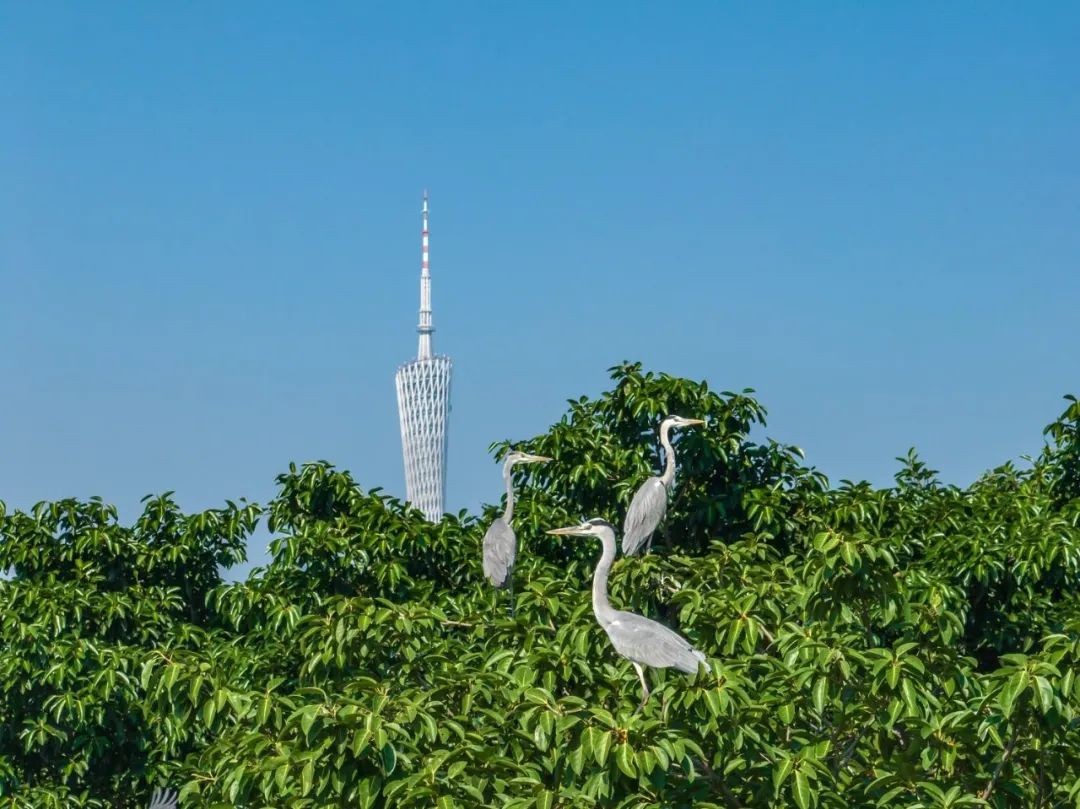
(209, 229)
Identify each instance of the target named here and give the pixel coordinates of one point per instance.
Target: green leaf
(911, 698)
(1010, 691)
(624, 759)
(389, 758)
(820, 693)
(540, 738)
(604, 716)
(538, 696)
(172, 671)
(712, 700)
(601, 746)
(1045, 693)
(264, 710)
(781, 771)
(892, 675)
(307, 776)
(360, 739)
(801, 791)
(576, 759)
(307, 718)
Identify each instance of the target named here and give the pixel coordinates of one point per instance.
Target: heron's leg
(648, 544)
(513, 605)
(644, 686)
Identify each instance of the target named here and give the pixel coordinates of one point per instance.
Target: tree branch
(1001, 764)
(850, 751)
(710, 773)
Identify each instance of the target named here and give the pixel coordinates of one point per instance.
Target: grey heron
(650, 500)
(640, 640)
(163, 799)
(500, 544)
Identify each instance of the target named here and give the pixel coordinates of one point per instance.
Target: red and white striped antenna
(425, 328)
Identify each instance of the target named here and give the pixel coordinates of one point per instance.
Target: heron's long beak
(571, 531)
(694, 421)
(536, 459)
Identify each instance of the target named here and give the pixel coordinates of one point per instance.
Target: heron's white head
(678, 421)
(517, 456)
(590, 528)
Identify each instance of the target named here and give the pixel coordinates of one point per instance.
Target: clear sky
(209, 229)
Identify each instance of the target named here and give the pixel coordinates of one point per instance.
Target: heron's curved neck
(669, 455)
(600, 604)
(509, 481)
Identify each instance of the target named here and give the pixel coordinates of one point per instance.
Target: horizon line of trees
(911, 645)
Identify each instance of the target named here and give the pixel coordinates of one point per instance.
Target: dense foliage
(908, 646)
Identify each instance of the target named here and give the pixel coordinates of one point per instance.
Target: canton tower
(423, 393)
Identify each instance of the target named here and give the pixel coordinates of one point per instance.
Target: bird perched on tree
(650, 500)
(500, 544)
(640, 640)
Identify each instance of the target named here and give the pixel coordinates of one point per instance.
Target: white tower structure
(423, 392)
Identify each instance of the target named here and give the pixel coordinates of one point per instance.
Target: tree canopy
(914, 645)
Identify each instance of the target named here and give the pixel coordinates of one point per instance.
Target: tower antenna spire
(425, 329)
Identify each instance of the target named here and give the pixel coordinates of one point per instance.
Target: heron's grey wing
(163, 799)
(652, 644)
(500, 550)
(645, 512)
